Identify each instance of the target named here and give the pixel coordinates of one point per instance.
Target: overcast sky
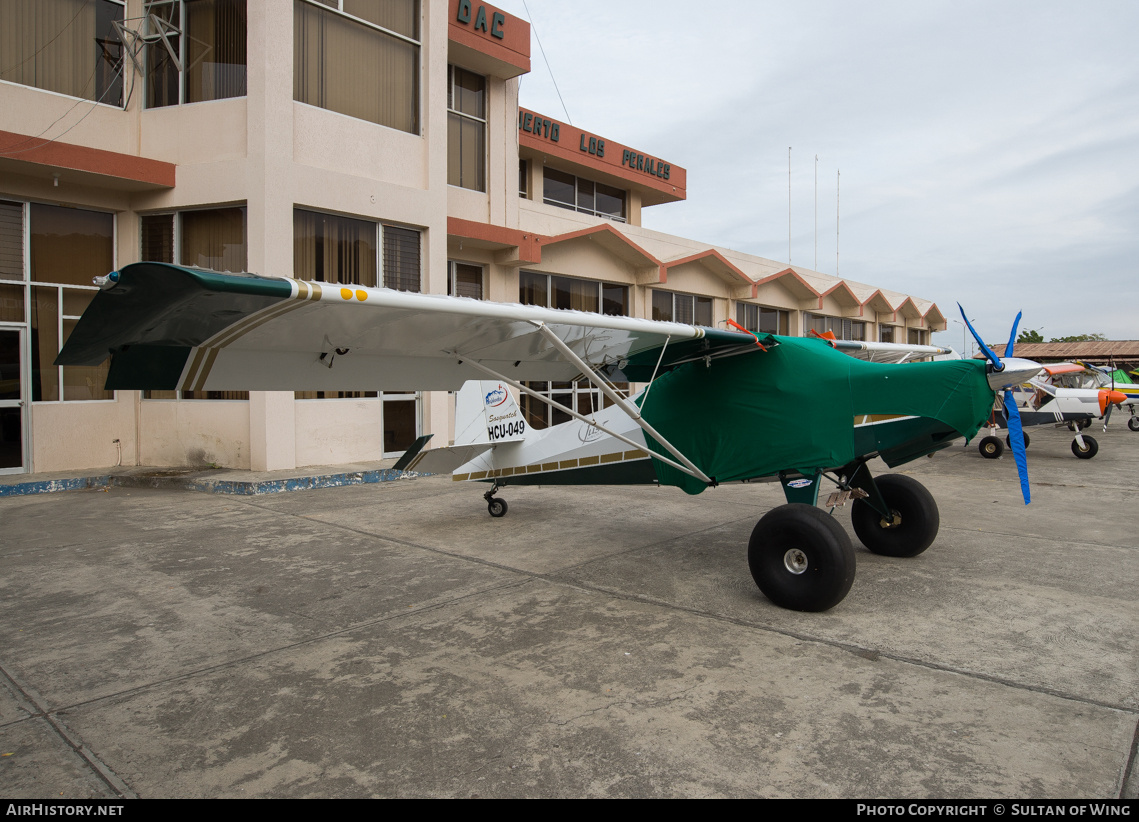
(989, 151)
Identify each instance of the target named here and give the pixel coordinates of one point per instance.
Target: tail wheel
(991, 448)
(801, 558)
(1008, 439)
(913, 526)
(1090, 449)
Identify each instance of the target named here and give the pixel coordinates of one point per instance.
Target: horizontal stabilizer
(446, 460)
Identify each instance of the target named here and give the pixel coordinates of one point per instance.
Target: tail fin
(485, 412)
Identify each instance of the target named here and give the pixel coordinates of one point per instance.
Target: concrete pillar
(272, 420)
(272, 431)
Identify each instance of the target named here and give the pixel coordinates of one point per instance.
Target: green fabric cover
(793, 407)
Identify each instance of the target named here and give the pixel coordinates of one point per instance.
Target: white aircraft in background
(1062, 393)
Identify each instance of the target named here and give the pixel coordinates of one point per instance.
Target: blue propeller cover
(1016, 440)
(997, 365)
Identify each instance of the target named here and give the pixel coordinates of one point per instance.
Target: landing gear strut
(497, 507)
(802, 559)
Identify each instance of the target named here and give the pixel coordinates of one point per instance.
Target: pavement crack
(72, 740)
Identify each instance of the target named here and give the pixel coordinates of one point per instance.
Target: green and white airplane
(719, 406)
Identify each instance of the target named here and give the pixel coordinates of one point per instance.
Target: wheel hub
(795, 561)
(893, 522)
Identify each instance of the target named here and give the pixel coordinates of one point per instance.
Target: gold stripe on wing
(199, 384)
(239, 329)
(227, 336)
(195, 364)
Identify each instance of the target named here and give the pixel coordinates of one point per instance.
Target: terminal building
(373, 142)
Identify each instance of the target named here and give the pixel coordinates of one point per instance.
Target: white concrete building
(356, 141)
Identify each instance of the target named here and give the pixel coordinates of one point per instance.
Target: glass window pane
(215, 46)
(332, 249)
(585, 195)
(214, 239)
(683, 308)
(473, 155)
(401, 258)
(769, 321)
(578, 295)
(468, 93)
(610, 201)
(66, 46)
(45, 344)
(400, 16)
(615, 300)
(348, 67)
(532, 289)
(468, 281)
(454, 149)
(158, 238)
(662, 305)
(703, 314)
(84, 382)
(161, 70)
(11, 303)
(70, 245)
(558, 188)
(11, 241)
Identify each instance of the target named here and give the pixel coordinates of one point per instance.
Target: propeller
(1002, 375)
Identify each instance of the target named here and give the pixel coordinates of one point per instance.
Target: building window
(842, 328)
(334, 249)
(464, 280)
(917, 336)
(886, 333)
(401, 258)
(466, 129)
(579, 194)
(211, 238)
(359, 58)
(763, 320)
(67, 46)
(208, 38)
(67, 248)
(330, 248)
(523, 179)
(552, 291)
(682, 308)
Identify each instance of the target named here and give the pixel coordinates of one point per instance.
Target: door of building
(13, 402)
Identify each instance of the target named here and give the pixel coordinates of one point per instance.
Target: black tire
(1090, 449)
(916, 518)
(1084, 424)
(1008, 440)
(991, 448)
(1133, 423)
(801, 558)
(497, 507)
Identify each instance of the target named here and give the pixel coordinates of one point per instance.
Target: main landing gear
(801, 557)
(497, 507)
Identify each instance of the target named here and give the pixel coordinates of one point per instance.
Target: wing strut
(631, 410)
(639, 446)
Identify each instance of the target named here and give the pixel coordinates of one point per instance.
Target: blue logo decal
(800, 483)
(496, 397)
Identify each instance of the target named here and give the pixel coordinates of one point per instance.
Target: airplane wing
(888, 352)
(170, 327)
